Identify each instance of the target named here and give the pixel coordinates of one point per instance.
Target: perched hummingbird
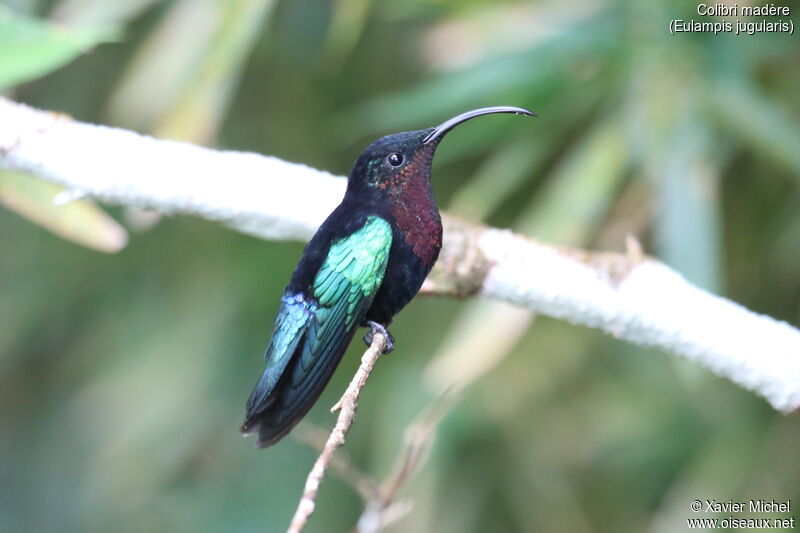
(364, 264)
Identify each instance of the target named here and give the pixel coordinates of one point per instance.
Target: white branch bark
(645, 302)
(248, 192)
(636, 299)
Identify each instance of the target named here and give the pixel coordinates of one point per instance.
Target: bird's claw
(378, 328)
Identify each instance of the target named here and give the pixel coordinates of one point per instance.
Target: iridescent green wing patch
(312, 332)
(343, 289)
(355, 264)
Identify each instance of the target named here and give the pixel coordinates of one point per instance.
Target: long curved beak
(448, 125)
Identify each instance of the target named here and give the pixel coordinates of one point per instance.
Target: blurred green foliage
(30, 48)
(123, 377)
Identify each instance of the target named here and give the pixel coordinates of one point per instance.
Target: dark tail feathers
(298, 389)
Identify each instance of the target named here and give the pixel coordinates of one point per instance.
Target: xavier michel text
(726, 20)
(751, 506)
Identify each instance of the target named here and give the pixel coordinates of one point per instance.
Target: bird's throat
(417, 218)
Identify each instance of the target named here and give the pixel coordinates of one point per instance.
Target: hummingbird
(366, 261)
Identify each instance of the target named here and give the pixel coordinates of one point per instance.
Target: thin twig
(347, 406)
(341, 464)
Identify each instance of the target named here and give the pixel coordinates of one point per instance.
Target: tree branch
(341, 463)
(632, 297)
(346, 406)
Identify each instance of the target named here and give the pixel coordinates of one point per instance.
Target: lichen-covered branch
(630, 296)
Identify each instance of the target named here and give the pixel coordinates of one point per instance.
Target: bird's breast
(421, 230)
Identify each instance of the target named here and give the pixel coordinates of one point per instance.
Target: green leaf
(184, 75)
(687, 216)
(767, 128)
(679, 157)
(98, 12)
(581, 188)
(503, 173)
(80, 221)
(31, 48)
(207, 93)
(546, 70)
(350, 20)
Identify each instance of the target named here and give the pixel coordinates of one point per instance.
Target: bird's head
(394, 162)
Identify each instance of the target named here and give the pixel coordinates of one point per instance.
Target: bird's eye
(395, 159)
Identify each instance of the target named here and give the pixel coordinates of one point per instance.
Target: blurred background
(129, 343)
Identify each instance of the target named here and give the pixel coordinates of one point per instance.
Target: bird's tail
(273, 411)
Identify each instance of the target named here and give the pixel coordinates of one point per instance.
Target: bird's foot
(378, 328)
